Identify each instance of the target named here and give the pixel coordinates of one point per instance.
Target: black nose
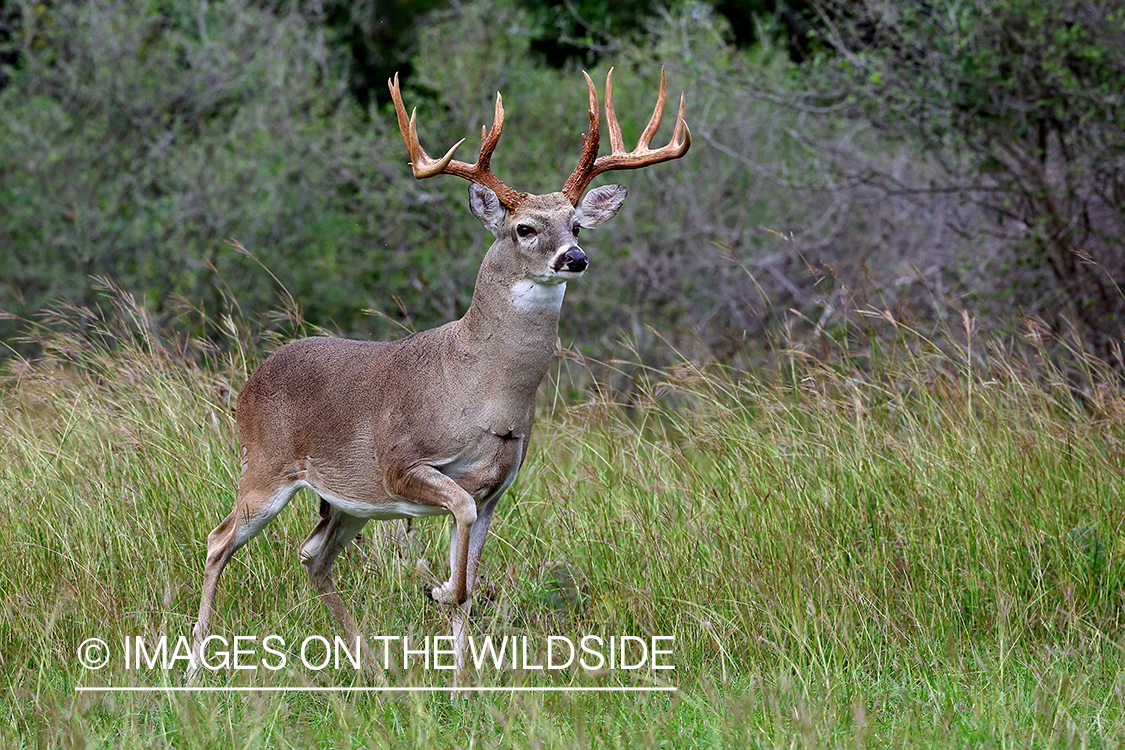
(575, 260)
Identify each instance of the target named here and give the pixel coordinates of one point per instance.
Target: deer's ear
(600, 204)
(487, 207)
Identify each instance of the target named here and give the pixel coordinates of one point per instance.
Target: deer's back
(310, 400)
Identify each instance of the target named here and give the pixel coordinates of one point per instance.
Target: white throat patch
(529, 296)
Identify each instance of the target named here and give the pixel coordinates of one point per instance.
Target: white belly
(379, 511)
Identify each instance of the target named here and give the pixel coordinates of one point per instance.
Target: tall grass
(883, 542)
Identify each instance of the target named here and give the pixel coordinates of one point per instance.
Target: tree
(1022, 103)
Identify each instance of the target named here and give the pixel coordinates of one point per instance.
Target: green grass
(903, 545)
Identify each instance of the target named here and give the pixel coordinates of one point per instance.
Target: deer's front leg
(461, 614)
(425, 484)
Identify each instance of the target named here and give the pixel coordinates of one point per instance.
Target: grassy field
(898, 545)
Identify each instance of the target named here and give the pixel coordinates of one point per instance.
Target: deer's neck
(511, 328)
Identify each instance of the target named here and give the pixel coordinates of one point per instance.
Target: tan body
(437, 423)
(299, 417)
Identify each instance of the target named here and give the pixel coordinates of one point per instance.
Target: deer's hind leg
(318, 553)
(254, 508)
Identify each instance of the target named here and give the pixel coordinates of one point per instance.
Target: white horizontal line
(300, 689)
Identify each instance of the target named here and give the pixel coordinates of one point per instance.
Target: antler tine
(420, 162)
(589, 147)
(489, 138)
(615, 141)
(424, 166)
(657, 113)
(680, 131)
(642, 155)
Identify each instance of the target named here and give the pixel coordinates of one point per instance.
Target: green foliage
(979, 71)
(789, 20)
(593, 30)
(136, 140)
(566, 30)
(1020, 101)
(375, 39)
(10, 24)
(134, 143)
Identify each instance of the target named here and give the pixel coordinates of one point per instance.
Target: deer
(437, 423)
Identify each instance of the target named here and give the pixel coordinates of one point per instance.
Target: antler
(590, 167)
(480, 172)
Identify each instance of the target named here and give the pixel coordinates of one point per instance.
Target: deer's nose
(575, 260)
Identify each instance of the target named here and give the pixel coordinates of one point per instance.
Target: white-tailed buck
(436, 423)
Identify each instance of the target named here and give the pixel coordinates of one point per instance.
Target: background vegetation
(940, 158)
(842, 411)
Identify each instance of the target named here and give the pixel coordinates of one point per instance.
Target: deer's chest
(488, 467)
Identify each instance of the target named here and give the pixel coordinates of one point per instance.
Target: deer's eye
(577, 229)
(523, 230)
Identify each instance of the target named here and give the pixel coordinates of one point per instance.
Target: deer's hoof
(442, 594)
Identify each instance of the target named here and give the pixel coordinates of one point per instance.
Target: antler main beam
(590, 165)
(481, 172)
